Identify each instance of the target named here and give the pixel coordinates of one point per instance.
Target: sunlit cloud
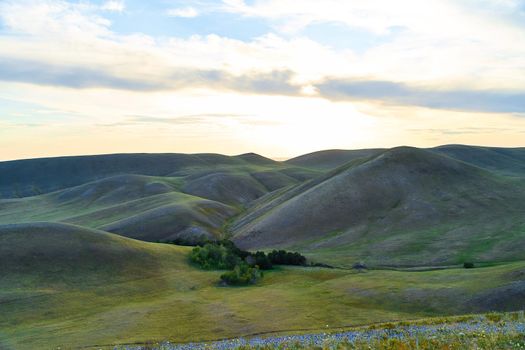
(396, 68)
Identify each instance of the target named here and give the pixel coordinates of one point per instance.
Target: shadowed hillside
(404, 206)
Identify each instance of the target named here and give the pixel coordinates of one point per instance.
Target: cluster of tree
(360, 266)
(468, 265)
(282, 257)
(260, 259)
(242, 274)
(245, 266)
(213, 256)
(192, 241)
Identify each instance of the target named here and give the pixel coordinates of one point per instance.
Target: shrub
(214, 256)
(359, 266)
(468, 265)
(282, 257)
(242, 274)
(317, 264)
(262, 260)
(188, 241)
(246, 267)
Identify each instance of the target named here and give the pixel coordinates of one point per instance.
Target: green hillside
(65, 286)
(149, 208)
(405, 206)
(195, 204)
(417, 207)
(39, 254)
(23, 178)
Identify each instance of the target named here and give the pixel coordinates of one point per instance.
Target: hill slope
(43, 253)
(405, 206)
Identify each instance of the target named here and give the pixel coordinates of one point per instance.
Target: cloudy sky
(276, 77)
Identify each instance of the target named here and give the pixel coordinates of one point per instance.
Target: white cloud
(185, 12)
(52, 20)
(444, 44)
(114, 6)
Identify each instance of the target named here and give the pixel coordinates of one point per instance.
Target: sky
(276, 77)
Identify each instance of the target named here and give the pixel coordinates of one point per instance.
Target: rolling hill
(190, 198)
(43, 254)
(506, 161)
(24, 178)
(148, 208)
(68, 277)
(405, 206)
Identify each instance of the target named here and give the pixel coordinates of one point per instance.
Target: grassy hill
(193, 198)
(405, 206)
(38, 254)
(148, 208)
(506, 161)
(66, 286)
(23, 178)
(418, 207)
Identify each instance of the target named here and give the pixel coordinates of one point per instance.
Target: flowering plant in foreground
(493, 331)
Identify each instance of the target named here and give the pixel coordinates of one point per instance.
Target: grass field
(150, 292)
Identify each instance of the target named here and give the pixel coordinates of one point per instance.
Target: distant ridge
(331, 159)
(509, 161)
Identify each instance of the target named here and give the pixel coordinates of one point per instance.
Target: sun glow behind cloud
(419, 74)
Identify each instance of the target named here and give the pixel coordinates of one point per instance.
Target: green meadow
(145, 292)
